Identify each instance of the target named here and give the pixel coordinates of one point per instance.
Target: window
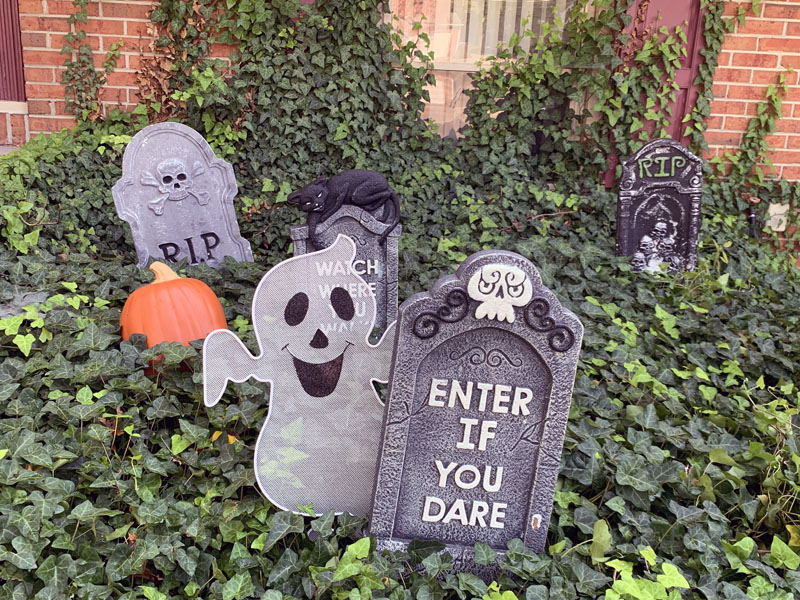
(463, 32)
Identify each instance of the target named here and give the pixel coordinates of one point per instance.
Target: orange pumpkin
(172, 309)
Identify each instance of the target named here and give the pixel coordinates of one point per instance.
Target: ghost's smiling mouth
(318, 379)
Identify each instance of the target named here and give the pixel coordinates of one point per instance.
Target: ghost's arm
(381, 355)
(225, 358)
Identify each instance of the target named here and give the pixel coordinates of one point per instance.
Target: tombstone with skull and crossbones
(175, 182)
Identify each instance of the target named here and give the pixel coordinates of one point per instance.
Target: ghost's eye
(342, 303)
(296, 309)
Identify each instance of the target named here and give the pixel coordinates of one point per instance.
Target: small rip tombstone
(658, 210)
(177, 197)
(366, 210)
(480, 388)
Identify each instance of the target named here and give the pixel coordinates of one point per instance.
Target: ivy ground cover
(680, 472)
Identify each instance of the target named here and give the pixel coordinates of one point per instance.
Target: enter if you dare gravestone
(367, 213)
(178, 198)
(658, 211)
(479, 395)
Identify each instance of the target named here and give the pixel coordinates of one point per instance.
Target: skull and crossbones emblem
(499, 288)
(175, 182)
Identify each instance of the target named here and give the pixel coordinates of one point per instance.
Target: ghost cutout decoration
(312, 316)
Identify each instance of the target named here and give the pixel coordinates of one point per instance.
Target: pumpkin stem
(163, 272)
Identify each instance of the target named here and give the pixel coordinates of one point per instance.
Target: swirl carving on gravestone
(560, 337)
(478, 356)
(455, 308)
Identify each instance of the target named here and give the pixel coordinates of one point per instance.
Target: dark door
(687, 15)
(12, 81)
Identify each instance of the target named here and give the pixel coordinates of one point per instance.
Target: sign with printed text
(375, 262)
(481, 384)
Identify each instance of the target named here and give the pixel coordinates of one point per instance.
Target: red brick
(791, 173)
(4, 129)
(756, 26)
(736, 123)
(39, 107)
(788, 126)
(66, 7)
(57, 41)
(724, 59)
(33, 40)
(126, 10)
(31, 7)
(746, 92)
(59, 108)
(779, 44)
(41, 91)
(136, 28)
(723, 138)
(725, 107)
(785, 157)
(731, 8)
(121, 79)
(792, 94)
(50, 123)
(132, 61)
(104, 26)
(34, 75)
(714, 122)
(767, 77)
(776, 141)
(113, 95)
(51, 58)
(719, 90)
(781, 11)
(737, 42)
(19, 133)
(129, 44)
(133, 97)
(732, 75)
(744, 59)
(43, 24)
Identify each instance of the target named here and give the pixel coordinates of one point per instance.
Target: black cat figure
(365, 189)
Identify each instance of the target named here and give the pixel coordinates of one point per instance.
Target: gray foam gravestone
(479, 394)
(320, 439)
(178, 198)
(658, 210)
(375, 262)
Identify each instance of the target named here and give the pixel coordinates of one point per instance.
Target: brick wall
(43, 24)
(751, 59)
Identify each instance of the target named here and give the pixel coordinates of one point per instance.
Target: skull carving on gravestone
(666, 247)
(174, 179)
(638, 261)
(659, 230)
(647, 245)
(175, 182)
(499, 288)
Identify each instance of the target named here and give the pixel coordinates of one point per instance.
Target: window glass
(462, 32)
